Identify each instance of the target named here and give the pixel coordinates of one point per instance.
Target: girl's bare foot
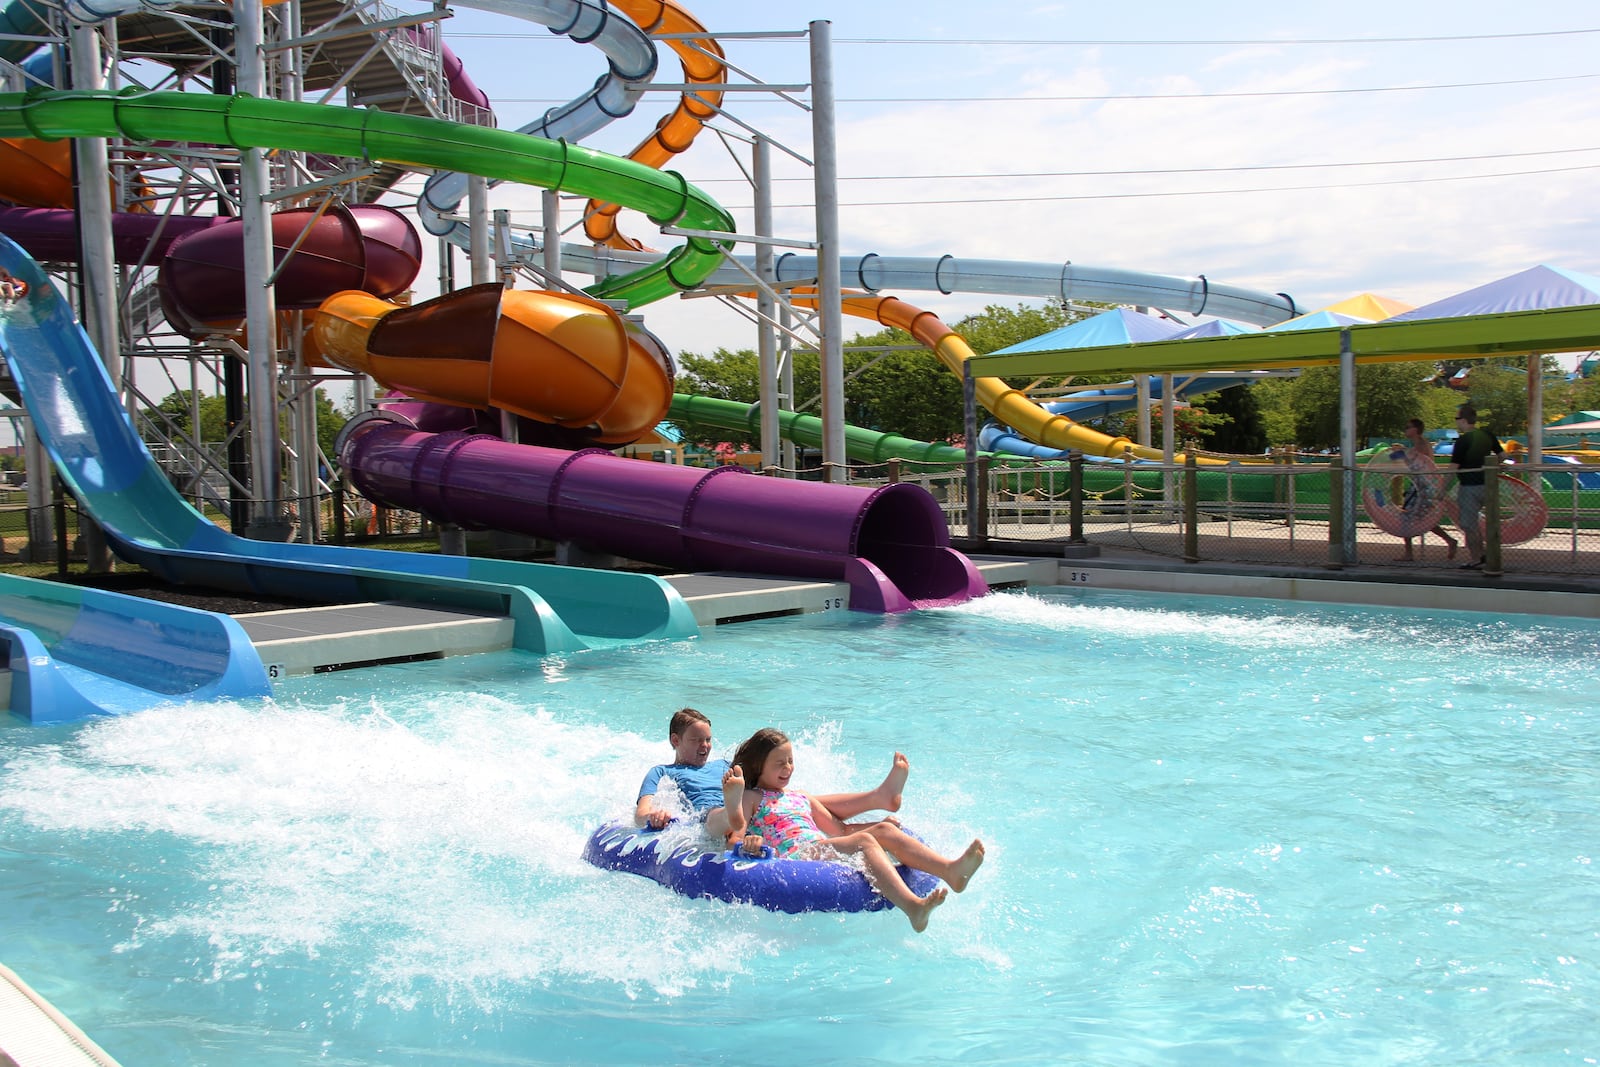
(893, 787)
(965, 866)
(918, 913)
(733, 802)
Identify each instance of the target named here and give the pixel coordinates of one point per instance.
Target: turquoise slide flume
(77, 652)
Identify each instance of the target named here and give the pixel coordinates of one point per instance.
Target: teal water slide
(77, 652)
(90, 438)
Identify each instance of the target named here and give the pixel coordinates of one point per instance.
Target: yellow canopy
(1369, 306)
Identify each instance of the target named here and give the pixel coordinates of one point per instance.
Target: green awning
(1567, 329)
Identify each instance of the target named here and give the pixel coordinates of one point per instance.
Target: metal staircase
(376, 56)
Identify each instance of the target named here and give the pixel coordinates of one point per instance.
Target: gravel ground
(142, 584)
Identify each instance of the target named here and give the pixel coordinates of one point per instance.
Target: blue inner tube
(690, 864)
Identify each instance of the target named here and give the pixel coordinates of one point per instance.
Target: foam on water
(1217, 830)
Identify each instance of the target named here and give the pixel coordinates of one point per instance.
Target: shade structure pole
(1347, 440)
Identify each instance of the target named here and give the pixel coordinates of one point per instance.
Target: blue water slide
(76, 652)
(20, 20)
(631, 61)
(92, 441)
(1112, 399)
(1005, 441)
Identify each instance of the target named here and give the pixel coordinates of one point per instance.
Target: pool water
(1219, 831)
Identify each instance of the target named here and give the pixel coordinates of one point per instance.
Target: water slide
(93, 444)
(892, 546)
(632, 57)
(1053, 430)
(77, 652)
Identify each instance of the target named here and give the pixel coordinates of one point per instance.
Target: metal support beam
(261, 309)
(825, 178)
(97, 265)
(766, 305)
(478, 229)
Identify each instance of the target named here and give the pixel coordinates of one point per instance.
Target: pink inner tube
(1400, 499)
(1523, 512)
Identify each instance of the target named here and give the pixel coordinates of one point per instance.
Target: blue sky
(1412, 150)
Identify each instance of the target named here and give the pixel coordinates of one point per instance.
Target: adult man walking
(1470, 453)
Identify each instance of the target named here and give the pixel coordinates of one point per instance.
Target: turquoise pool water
(1219, 831)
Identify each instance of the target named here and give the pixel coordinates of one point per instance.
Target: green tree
(1437, 405)
(1387, 394)
(330, 420)
(1500, 393)
(998, 327)
(1563, 397)
(1275, 403)
(1189, 423)
(1243, 432)
(173, 416)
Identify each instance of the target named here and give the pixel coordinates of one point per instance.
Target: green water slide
(408, 140)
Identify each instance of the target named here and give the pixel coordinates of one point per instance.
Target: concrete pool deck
(35, 1034)
(309, 640)
(1386, 585)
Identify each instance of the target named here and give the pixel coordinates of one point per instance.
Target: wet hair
(681, 720)
(1468, 413)
(752, 755)
(1417, 423)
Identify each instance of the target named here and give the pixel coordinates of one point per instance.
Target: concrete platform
(1418, 589)
(307, 640)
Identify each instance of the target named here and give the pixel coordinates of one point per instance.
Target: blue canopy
(1214, 328)
(1535, 289)
(1317, 320)
(1118, 326)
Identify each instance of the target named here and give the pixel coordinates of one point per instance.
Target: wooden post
(1492, 559)
(1191, 504)
(1336, 515)
(1075, 498)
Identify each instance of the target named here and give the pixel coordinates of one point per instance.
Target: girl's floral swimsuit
(783, 819)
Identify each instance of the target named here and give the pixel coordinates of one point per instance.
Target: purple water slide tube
(51, 234)
(457, 80)
(890, 543)
(363, 246)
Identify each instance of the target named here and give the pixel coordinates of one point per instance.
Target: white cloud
(1318, 233)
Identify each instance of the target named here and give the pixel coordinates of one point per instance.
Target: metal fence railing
(1308, 514)
(1537, 520)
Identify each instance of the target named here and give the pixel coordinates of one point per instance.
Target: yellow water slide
(1010, 406)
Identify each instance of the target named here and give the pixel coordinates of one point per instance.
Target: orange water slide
(558, 358)
(703, 64)
(1010, 406)
(36, 173)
